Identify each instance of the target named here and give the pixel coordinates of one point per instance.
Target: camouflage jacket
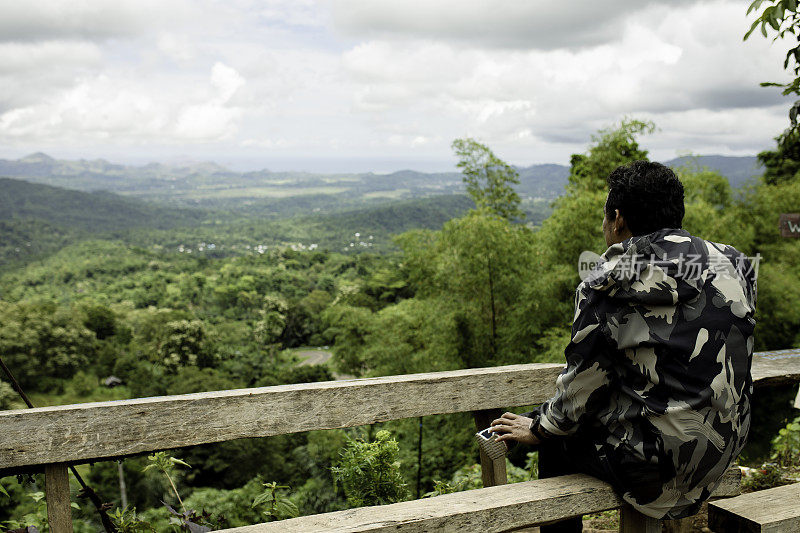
(658, 367)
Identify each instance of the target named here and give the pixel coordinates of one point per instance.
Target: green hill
(94, 213)
(37, 219)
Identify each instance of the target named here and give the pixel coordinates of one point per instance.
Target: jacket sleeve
(582, 389)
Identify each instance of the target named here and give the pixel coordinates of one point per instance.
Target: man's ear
(619, 222)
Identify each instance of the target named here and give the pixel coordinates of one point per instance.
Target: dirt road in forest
(313, 357)
(319, 357)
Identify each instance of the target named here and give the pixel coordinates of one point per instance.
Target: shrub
(786, 446)
(369, 472)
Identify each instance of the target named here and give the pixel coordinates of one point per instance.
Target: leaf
(171, 510)
(261, 498)
(196, 528)
(176, 461)
(753, 27)
(3, 491)
(286, 508)
(754, 6)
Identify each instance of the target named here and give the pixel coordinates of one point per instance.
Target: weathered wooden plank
(776, 367)
(59, 512)
(774, 510)
(110, 429)
(499, 508)
(632, 521)
(491, 509)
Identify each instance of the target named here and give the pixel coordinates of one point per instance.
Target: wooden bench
(48, 439)
(776, 510)
(492, 509)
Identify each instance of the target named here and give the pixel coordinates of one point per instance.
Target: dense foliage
(478, 287)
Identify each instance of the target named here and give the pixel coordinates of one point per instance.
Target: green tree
(481, 260)
(405, 339)
(42, 342)
(348, 327)
(489, 180)
(470, 272)
(711, 211)
(781, 17)
(783, 163)
(101, 320)
(612, 147)
(185, 343)
(540, 320)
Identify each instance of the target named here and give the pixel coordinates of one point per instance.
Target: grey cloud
(95, 20)
(525, 25)
(720, 98)
(32, 21)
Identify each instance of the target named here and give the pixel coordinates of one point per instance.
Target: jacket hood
(661, 268)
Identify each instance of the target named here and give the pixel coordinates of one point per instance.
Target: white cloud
(16, 58)
(33, 72)
(226, 80)
(662, 63)
(311, 13)
(392, 78)
(125, 107)
(175, 46)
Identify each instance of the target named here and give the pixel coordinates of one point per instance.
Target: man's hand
(514, 427)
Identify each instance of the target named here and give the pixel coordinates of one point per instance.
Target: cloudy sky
(354, 85)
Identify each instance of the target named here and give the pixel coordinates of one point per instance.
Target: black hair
(649, 196)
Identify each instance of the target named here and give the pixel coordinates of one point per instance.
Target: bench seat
(491, 509)
(775, 510)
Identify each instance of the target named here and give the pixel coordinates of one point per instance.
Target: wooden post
(59, 512)
(682, 525)
(492, 472)
(632, 521)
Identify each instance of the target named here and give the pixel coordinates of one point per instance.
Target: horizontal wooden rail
(492, 509)
(94, 431)
(91, 431)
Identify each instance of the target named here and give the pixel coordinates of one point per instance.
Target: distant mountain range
(48, 204)
(211, 185)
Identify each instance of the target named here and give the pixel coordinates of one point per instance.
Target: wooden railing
(49, 438)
